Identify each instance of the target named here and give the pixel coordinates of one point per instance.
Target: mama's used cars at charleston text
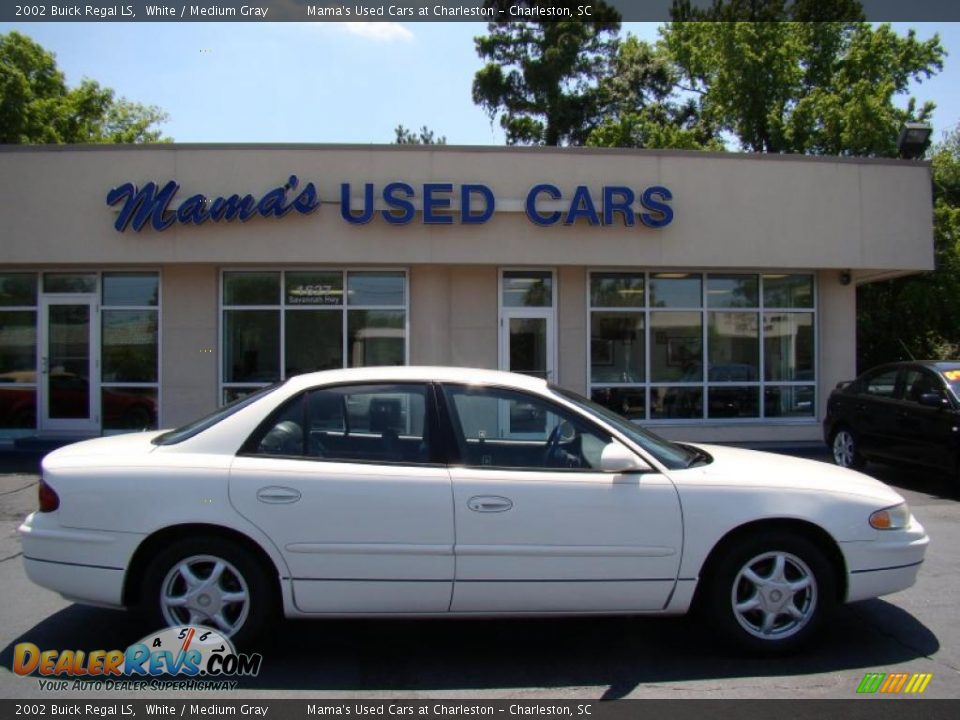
(456, 492)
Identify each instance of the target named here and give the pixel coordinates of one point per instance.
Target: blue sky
(327, 82)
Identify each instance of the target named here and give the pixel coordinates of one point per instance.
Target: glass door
(69, 367)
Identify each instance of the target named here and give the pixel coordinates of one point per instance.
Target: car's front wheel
(846, 451)
(209, 581)
(769, 593)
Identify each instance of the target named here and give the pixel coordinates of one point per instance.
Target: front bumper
(885, 565)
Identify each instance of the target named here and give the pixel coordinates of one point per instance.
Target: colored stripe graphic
(894, 683)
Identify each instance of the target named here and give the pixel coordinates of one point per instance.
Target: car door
(874, 412)
(539, 528)
(924, 434)
(347, 483)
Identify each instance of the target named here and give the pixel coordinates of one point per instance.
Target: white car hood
(752, 468)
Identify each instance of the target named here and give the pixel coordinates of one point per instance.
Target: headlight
(891, 518)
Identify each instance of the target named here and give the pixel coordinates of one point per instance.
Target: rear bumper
(86, 566)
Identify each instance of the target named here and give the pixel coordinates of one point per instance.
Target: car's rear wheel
(209, 581)
(846, 451)
(768, 594)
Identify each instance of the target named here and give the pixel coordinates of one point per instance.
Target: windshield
(172, 437)
(953, 380)
(672, 455)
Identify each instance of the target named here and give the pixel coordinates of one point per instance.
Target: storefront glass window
(617, 347)
(251, 288)
(129, 346)
(251, 352)
(527, 288)
(676, 346)
(788, 346)
(18, 289)
(313, 341)
(616, 290)
(314, 288)
(702, 347)
(375, 337)
(732, 291)
(269, 335)
(69, 282)
(131, 288)
(129, 351)
(675, 290)
(375, 289)
(788, 291)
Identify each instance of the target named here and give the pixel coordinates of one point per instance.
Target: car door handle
(278, 495)
(489, 503)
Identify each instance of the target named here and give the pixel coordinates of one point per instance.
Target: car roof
(415, 373)
(938, 365)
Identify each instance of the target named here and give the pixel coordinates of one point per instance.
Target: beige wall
(188, 354)
(731, 210)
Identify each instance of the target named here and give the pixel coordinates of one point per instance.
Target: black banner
(470, 10)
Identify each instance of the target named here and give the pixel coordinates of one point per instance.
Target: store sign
(396, 203)
(151, 203)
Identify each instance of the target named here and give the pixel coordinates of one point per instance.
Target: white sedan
(451, 492)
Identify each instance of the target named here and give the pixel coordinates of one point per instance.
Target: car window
(881, 384)
(356, 423)
(918, 383)
(500, 428)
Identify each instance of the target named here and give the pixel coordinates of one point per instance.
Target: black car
(905, 412)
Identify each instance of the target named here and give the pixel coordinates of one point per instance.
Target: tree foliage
(425, 136)
(921, 312)
(640, 107)
(822, 88)
(36, 106)
(541, 78)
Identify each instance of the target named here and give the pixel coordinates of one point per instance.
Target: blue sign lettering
(152, 204)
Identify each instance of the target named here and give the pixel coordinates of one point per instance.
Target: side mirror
(933, 400)
(615, 458)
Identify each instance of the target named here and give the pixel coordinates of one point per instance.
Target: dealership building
(708, 296)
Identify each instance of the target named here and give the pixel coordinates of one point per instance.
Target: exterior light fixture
(913, 140)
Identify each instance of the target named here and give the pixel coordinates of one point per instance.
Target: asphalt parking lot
(915, 631)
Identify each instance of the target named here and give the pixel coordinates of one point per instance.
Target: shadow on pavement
(423, 655)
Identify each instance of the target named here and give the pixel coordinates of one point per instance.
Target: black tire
(794, 613)
(244, 619)
(845, 449)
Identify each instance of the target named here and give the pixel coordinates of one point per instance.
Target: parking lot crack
(11, 557)
(16, 490)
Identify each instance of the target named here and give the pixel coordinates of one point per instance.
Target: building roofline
(479, 149)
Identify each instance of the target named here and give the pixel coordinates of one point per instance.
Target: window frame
(437, 445)
(282, 307)
(760, 384)
(454, 429)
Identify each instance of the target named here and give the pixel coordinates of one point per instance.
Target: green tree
(823, 88)
(541, 77)
(36, 106)
(922, 311)
(425, 136)
(639, 104)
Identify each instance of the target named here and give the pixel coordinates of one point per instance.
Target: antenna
(904, 346)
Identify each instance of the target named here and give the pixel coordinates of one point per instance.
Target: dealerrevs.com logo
(199, 654)
(894, 683)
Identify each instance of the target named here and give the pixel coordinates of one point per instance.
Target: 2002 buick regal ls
(453, 493)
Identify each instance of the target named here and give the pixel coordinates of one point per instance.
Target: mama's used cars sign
(396, 203)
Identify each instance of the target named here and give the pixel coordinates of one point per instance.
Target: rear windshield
(187, 431)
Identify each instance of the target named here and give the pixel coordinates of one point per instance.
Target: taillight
(49, 500)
